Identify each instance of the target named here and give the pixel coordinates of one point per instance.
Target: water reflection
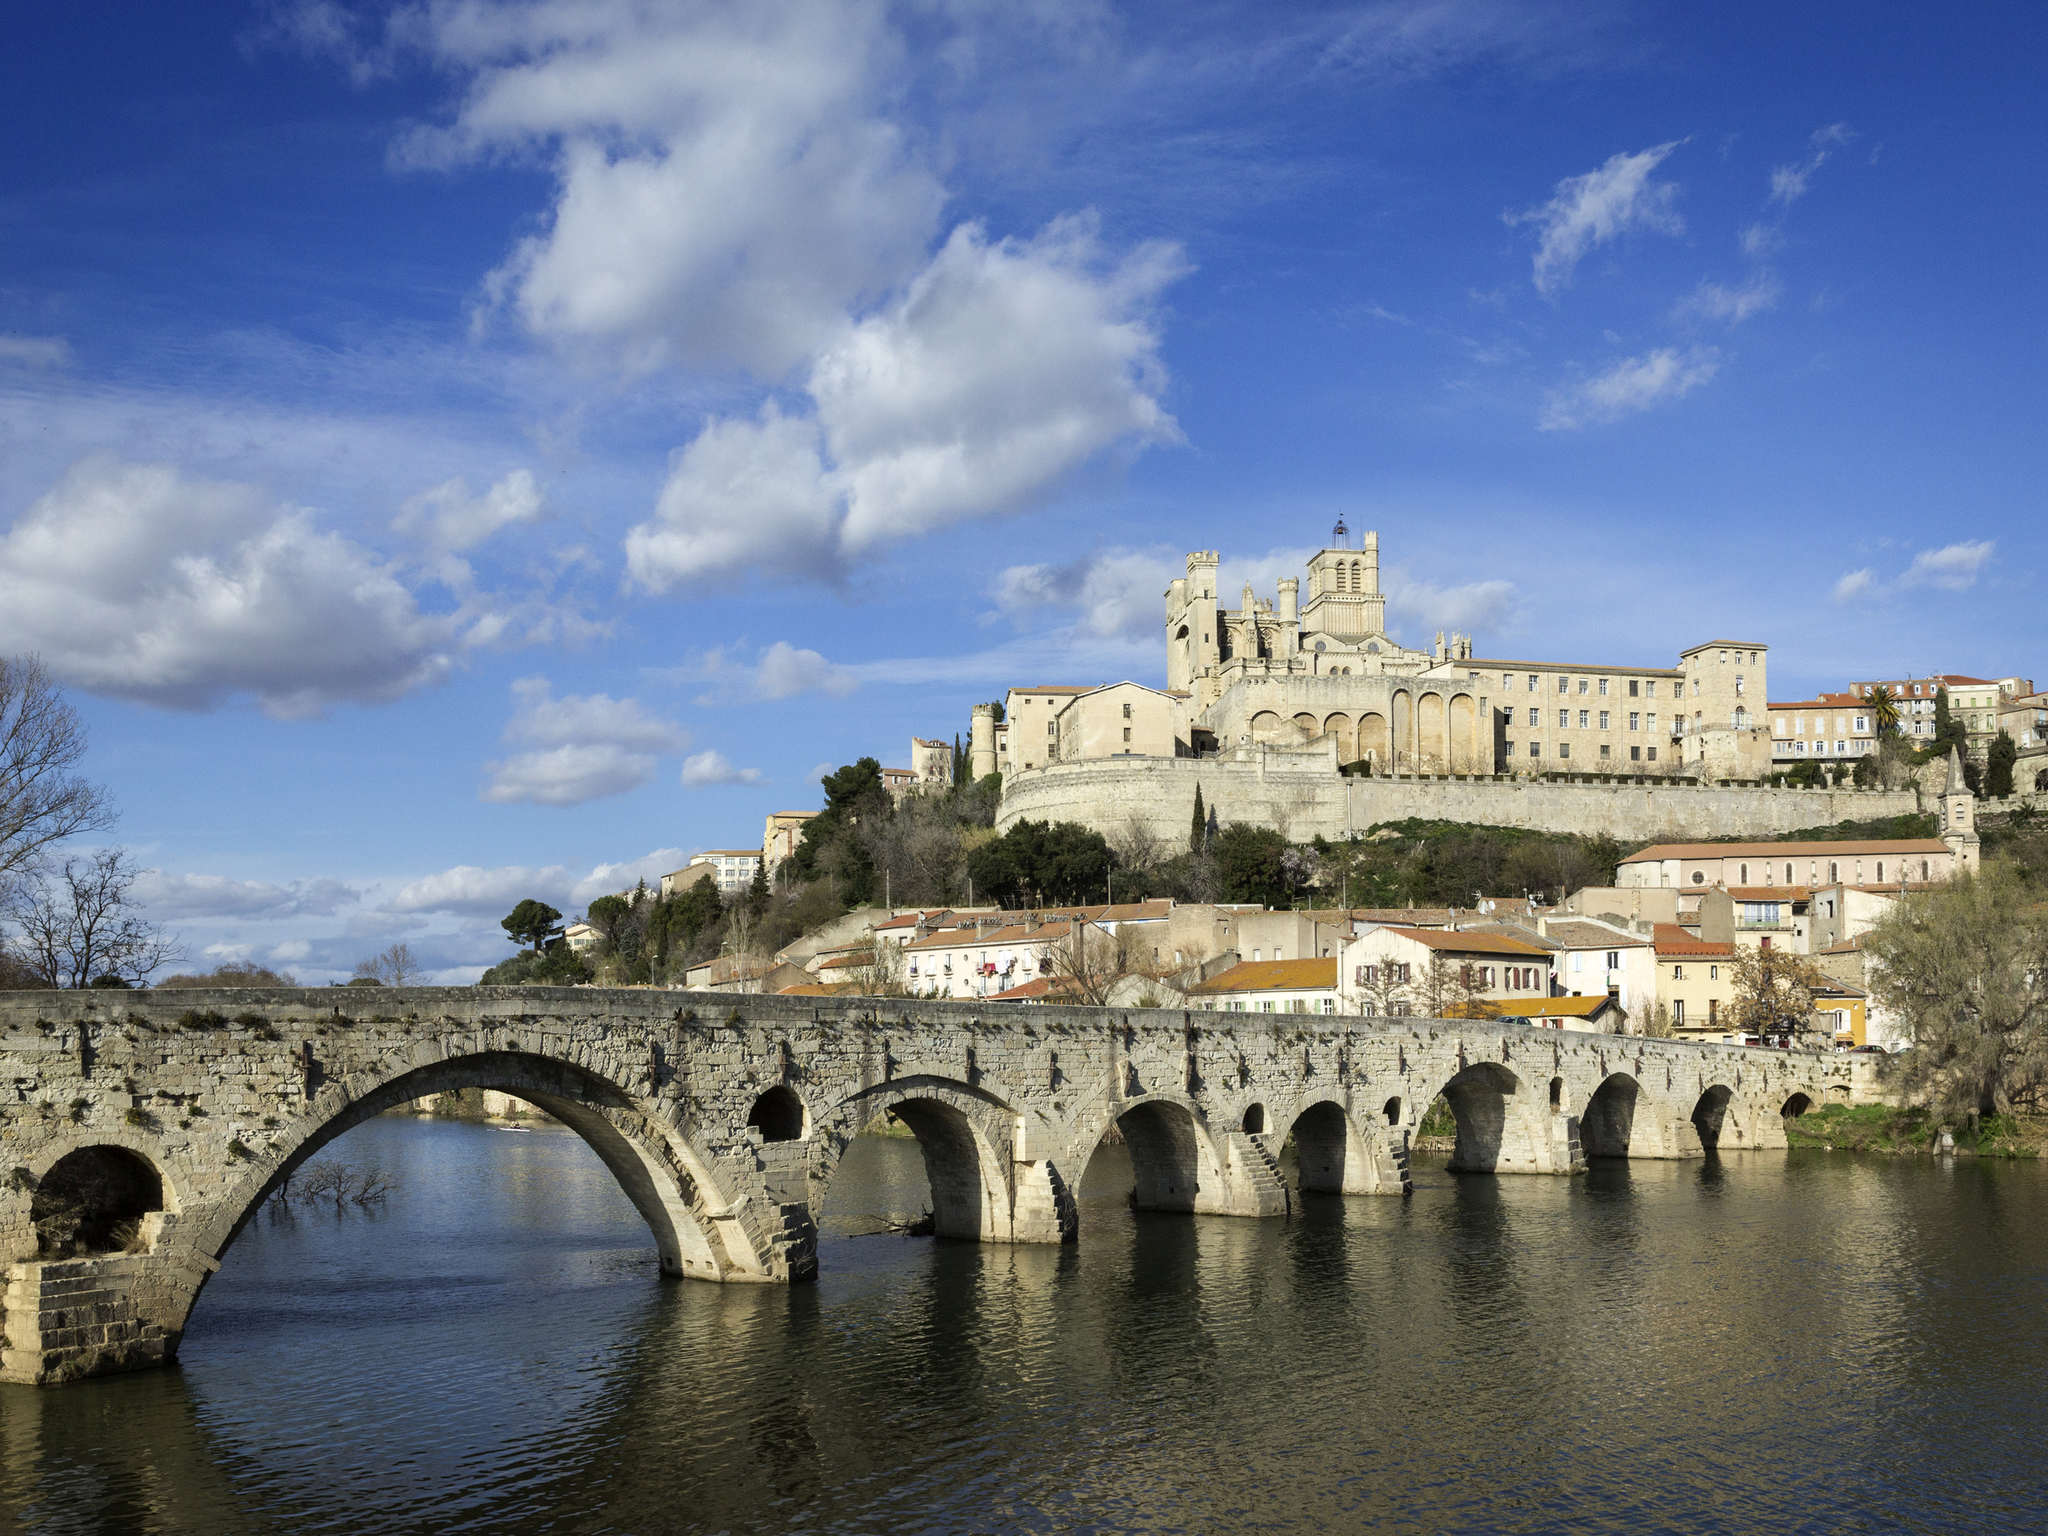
(1803, 1343)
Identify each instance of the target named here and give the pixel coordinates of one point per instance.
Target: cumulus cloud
(706, 768)
(1004, 367)
(785, 670)
(203, 896)
(33, 351)
(1788, 182)
(1588, 211)
(1717, 301)
(475, 890)
(1422, 606)
(1952, 568)
(1114, 592)
(136, 581)
(449, 518)
(1632, 385)
(579, 747)
(1854, 584)
(728, 180)
(744, 494)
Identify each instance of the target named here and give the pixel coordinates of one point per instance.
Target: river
(1782, 1342)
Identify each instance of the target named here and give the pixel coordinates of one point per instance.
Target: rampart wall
(1306, 801)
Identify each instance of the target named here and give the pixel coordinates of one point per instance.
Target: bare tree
(42, 799)
(76, 924)
(1774, 992)
(1450, 989)
(1090, 959)
(394, 967)
(1386, 988)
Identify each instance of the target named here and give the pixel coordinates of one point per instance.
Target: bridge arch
(1607, 1127)
(1711, 1119)
(654, 1164)
(1333, 1154)
(1175, 1163)
(98, 1197)
(965, 1137)
(1495, 1128)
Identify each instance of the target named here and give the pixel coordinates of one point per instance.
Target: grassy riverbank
(1882, 1128)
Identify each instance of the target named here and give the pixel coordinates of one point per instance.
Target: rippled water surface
(1784, 1343)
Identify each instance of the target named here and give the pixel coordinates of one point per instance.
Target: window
(1650, 691)
(1653, 754)
(1564, 719)
(1127, 711)
(1533, 720)
(1633, 686)
(1862, 725)
(1511, 749)
(1603, 719)
(1678, 973)
(1507, 682)
(1713, 973)
(1635, 720)
(1614, 959)
(1582, 685)
(1564, 749)
(1582, 719)
(1678, 1012)
(1738, 685)
(1329, 1005)
(1698, 878)
(1532, 682)
(1635, 754)
(1127, 733)
(1603, 687)
(1535, 750)
(1713, 1011)
(1743, 876)
(1650, 724)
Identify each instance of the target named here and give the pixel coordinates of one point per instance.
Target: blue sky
(469, 450)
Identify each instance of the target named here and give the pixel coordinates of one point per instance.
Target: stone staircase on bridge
(75, 1317)
(1255, 1164)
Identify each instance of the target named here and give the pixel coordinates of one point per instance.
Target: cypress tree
(1201, 824)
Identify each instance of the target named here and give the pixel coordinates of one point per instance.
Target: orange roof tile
(1454, 941)
(1274, 976)
(1785, 850)
(1550, 1007)
(1674, 940)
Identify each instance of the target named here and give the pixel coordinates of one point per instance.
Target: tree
(1884, 711)
(1998, 765)
(1253, 864)
(392, 967)
(610, 916)
(1959, 967)
(1949, 732)
(1058, 862)
(1090, 959)
(1774, 992)
(42, 800)
(77, 923)
(532, 922)
(1386, 989)
(757, 893)
(233, 973)
(1198, 829)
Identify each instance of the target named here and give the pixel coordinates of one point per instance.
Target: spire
(1957, 784)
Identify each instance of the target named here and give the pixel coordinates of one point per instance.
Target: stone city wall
(1303, 802)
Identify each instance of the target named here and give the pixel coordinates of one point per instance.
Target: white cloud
(471, 889)
(202, 896)
(1853, 584)
(1952, 568)
(1760, 239)
(289, 951)
(449, 518)
(785, 671)
(743, 494)
(1788, 182)
(580, 747)
(134, 580)
(1420, 606)
(1588, 211)
(706, 768)
(1115, 592)
(1003, 368)
(728, 183)
(623, 875)
(34, 351)
(1631, 385)
(1716, 301)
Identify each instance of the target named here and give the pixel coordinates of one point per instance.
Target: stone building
(1286, 673)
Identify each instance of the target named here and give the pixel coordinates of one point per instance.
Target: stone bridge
(139, 1131)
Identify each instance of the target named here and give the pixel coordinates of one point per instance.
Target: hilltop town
(1313, 817)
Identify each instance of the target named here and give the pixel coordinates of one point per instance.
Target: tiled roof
(1014, 933)
(1550, 1007)
(1468, 943)
(1059, 688)
(1674, 940)
(1771, 892)
(1593, 936)
(1846, 947)
(1273, 976)
(820, 989)
(1785, 850)
(1824, 701)
(1040, 987)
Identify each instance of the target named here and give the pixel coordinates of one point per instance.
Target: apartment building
(1831, 727)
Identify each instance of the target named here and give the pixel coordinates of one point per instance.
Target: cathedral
(1324, 676)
